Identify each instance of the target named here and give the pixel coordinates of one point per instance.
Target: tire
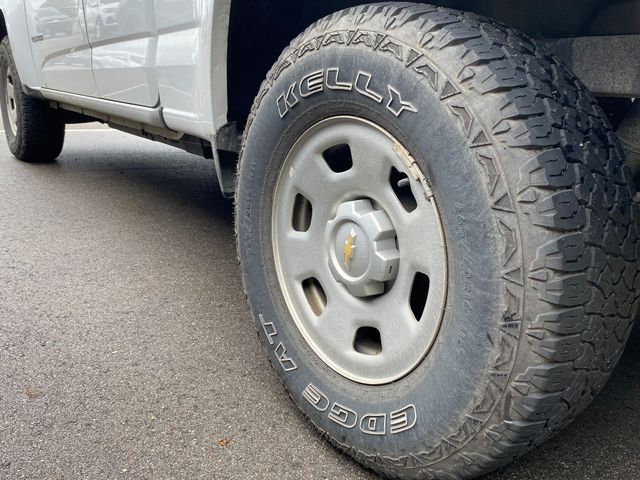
(536, 215)
(37, 136)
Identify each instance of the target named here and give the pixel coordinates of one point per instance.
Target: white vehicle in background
(438, 234)
(101, 16)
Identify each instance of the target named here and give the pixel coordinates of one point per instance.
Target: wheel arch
(258, 30)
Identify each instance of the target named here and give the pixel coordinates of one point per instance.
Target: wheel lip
(12, 110)
(287, 297)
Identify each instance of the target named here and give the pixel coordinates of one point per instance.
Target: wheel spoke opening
(314, 293)
(338, 158)
(419, 295)
(401, 186)
(302, 213)
(367, 341)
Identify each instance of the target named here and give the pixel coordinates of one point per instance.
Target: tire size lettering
(394, 422)
(468, 276)
(330, 78)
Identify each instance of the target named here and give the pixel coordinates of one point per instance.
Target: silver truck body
(158, 64)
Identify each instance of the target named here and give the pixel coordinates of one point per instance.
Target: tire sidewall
(447, 386)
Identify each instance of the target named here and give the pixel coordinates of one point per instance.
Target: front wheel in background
(34, 130)
(437, 237)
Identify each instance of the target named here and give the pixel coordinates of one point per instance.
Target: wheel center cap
(364, 254)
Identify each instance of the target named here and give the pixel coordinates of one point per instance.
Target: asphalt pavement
(127, 349)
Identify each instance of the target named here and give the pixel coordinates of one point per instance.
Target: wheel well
(260, 29)
(256, 40)
(3, 26)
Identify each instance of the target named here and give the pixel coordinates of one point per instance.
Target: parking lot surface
(127, 348)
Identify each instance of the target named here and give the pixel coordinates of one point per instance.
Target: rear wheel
(437, 237)
(34, 131)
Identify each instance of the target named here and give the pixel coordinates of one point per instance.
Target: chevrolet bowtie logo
(349, 249)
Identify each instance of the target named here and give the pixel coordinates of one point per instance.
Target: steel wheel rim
(329, 305)
(10, 102)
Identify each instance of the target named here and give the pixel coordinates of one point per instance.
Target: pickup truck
(436, 211)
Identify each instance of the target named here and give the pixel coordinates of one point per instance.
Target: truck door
(60, 46)
(123, 39)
